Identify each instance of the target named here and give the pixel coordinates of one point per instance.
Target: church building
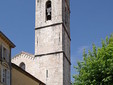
(51, 62)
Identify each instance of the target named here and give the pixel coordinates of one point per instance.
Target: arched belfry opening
(48, 10)
(22, 65)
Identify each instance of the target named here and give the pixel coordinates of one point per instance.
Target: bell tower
(52, 41)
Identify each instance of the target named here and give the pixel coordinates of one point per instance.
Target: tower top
(50, 12)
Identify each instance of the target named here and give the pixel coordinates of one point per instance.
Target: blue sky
(91, 21)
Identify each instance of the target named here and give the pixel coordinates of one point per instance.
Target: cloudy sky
(91, 21)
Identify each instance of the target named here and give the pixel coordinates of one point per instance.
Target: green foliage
(97, 65)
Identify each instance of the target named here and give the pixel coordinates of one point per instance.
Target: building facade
(51, 61)
(5, 59)
(21, 77)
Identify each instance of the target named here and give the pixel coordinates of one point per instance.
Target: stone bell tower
(52, 41)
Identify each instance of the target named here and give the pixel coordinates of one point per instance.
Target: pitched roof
(27, 74)
(7, 40)
(26, 53)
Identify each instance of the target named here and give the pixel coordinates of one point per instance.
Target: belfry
(51, 61)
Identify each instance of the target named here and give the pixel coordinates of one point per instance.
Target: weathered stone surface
(27, 59)
(48, 40)
(51, 61)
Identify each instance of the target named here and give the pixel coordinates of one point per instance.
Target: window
(4, 54)
(66, 16)
(5, 76)
(48, 10)
(46, 73)
(22, 65)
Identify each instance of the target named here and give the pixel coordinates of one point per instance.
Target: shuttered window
(5, 76)
(7, 55)
(8, 77)
(4, 54)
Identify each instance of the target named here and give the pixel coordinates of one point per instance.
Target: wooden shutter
(8, 77)
(7, 55)
(2, 74)
(3, 53)
(0, 52)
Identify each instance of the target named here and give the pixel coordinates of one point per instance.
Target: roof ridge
(22, 52)
(26, 52)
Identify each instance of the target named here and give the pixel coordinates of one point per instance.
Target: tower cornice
(40, 55)
(61, 23)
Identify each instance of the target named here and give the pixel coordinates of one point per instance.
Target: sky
(91, 21)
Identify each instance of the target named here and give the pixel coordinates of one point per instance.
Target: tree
(97, 65)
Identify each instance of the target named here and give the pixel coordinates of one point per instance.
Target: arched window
(48, 10)
(22, 65)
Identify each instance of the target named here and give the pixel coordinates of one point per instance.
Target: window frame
(5, 54)
(5, 75)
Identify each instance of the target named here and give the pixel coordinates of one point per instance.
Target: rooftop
(6, 39)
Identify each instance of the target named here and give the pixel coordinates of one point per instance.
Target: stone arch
(48, 10)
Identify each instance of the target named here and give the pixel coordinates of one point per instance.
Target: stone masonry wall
(40, 19)
(28, 60)
(48, 40)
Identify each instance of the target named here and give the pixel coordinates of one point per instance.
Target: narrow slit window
(48, 10)
(46, 73)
